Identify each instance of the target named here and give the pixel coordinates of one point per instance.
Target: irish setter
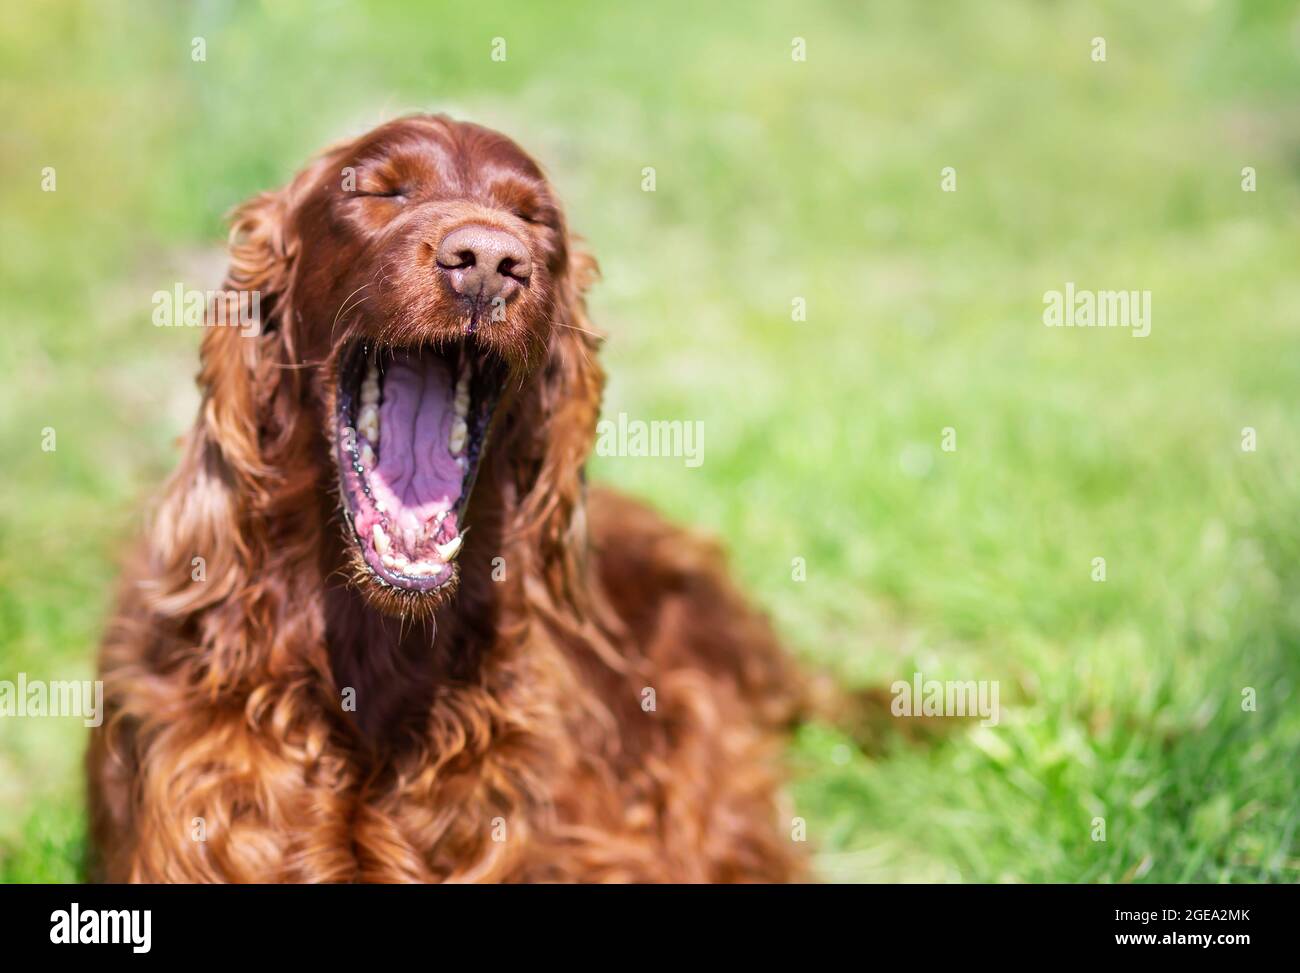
(379, 629)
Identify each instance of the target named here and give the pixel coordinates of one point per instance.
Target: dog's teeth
(449, 550)
(379, 505)
(461, 399)
(392, 559)
(459, 432)
(370, 387)
(368, 422)
(367, 457)
(381, 539)
(429, 532)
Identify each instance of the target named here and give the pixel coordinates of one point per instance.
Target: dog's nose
(482, 263)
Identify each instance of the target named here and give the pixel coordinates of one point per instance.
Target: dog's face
(430, 271)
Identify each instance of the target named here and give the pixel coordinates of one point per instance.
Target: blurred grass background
(776, 179)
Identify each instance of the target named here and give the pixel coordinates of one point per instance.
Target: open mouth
(413, 424)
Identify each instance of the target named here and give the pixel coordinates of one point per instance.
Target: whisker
(573, 327)
(343, 305)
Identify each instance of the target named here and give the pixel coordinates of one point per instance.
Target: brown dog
(379, 630)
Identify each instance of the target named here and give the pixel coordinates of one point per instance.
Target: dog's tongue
(417, 477)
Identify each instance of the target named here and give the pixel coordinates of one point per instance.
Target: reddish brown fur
(522, 719)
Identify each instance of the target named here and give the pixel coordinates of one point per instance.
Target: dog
(379, 628)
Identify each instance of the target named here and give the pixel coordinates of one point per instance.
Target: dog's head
(421, 306)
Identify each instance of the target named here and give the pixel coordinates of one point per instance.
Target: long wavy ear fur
(237, 469)
(561, 433)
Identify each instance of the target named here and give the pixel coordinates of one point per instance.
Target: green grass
(775, 179)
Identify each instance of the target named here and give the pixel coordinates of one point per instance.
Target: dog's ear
(243, 340)
(241, 459)
(561, 432)
(249, 376)
(251, 379)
